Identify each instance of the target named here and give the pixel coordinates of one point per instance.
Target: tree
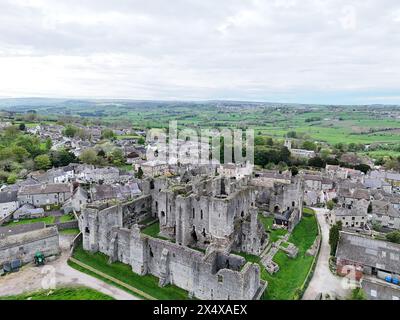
(363, 168)
(309, 145)
(330, 205)
(141, 141)
(292, 134)
(393, 237)
(48, 144)
(270, 142)
(42, 162)
(317, 162)
(376, 226)
(12, 178)
(357, 294)
(101, 153)
(88, 156)
(139, 173)
(61, 158)
(117, 157)
(107, 134)
(30, 144)
(70, 131)
(294, 171)
(19, 153)
(334, 234)
(22, 127)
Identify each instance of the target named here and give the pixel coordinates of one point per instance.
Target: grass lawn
(71, 293)
(70, 231)
(285, 284)
(123, 272)
(153, 231)
(273, 234)
(67, 217)
(46, 220)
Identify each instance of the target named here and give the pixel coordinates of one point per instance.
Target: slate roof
(366, 251)
(8, 196)
(354, 194)
(45, 188)
(384, 291)
(343, 212)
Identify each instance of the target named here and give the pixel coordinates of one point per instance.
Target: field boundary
(112, 279)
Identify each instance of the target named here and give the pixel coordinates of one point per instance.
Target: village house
(28, 211)
(8, 203)
(299, 153)
(91, 174)
(235, 170)
(354, 198)
(80, 197)
(154, 168)
(48, 196)
(350, 218)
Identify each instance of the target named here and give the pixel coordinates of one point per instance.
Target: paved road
(323, 280)
(32, 278)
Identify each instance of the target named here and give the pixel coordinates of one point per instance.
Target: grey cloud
(199, 48)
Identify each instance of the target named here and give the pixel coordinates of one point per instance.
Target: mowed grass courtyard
(123, 272)
(287, 283)
(68, 293)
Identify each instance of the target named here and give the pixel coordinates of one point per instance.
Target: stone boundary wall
(65, 225)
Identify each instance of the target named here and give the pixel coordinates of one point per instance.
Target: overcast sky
(310, 51)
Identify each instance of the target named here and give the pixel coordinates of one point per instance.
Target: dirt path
(323, 280)
(31, 278)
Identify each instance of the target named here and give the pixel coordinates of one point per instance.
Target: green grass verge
(124, 273)
(69, 293)
(46, 220)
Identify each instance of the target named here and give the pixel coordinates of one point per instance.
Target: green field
(123, 272)
(69, 293)
(330, 124)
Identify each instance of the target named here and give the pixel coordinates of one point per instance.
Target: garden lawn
(124, 273)
(69, 293)
(286, 284)
(46, 220)
(274, 235)
(67, 217)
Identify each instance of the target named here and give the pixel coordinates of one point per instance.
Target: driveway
(323, 280)
(31, 278)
